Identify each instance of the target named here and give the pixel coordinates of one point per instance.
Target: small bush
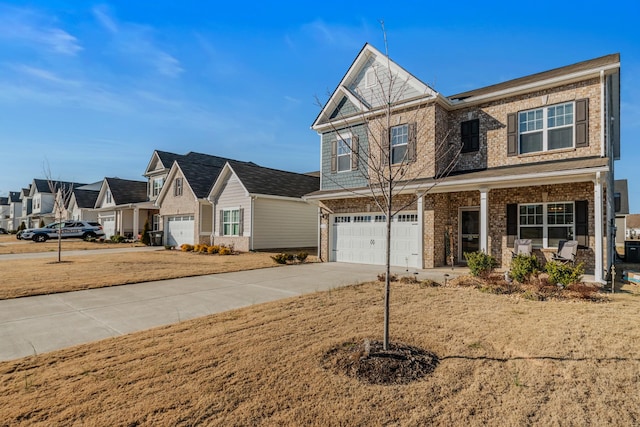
(480, 263)
(282, 258)
(562, 274)
(392, 277)
(523, 266)
(214, 249)
(144, 236)
(301, 256)
(118, 238)
(224, 251)
(408, 280)
(185, 247)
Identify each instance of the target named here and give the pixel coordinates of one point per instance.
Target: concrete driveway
(35, 325)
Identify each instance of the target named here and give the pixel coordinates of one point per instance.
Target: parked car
(68, 229)
(3, 231)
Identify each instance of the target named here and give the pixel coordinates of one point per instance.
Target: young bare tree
(394, 157)
(62, 191)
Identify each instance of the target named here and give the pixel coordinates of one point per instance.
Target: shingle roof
(86, 198)
(4, 200)
(14, 196)
(556, 72)
(42, 185)
(126, 191)
(261, 180)
(167, 158)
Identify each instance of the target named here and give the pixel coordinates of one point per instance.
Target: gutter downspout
(610, 189)
(599, 223)
(603, 151)
(213, 220)
(253, 198)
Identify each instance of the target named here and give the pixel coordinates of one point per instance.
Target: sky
(89, 90)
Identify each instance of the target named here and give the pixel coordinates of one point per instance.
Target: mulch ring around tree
(367, 361)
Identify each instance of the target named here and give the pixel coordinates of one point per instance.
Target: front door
(469, 231)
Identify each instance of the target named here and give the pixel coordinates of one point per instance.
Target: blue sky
(91, 89)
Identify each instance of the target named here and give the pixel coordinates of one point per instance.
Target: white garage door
(179, 230)
(108, 226)
(360, 238)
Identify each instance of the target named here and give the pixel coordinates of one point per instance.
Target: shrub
(523, 266)
(185, 247)
(22, 226)
(562, 274)
(224, 251)
(214, 249)
(480, 263)
(145, 238)
(41, 224)
(301, 256)
(282, 258)
(117, 238)
(392, 277)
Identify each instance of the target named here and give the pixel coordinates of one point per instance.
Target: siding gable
(345, 108)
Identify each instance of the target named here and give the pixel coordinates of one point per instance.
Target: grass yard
(503, 360)
(39, 276)
(10, 245)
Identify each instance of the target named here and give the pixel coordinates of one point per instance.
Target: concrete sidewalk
(40, 324)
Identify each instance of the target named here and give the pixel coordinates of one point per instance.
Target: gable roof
(85, 198)
(14, 196)
(258, 180)
(406, 87)
(42, 186)
(4, 201)
(124, 191)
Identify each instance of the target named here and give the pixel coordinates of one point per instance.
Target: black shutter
(582, 123)
(412, 143)
(334, 156)
(241, 222)
(512, 134)
(512, 223)
(470, 135)
(354, 152)
(582, 223)
(221, 229)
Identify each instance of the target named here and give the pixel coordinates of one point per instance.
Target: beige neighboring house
(537, 162)
(261, 208)
(122, 207)
(633, 227)
(621, 206)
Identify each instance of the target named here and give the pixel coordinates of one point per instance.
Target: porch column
(484, 221)
(136, 222)
(599, 219)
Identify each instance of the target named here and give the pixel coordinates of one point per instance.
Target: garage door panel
(180, 230)
(354, 240)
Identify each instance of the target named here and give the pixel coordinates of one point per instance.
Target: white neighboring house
(81, 206)
(43, 194)
(15, 210)
(261, 208)
(122, 207)
(4, 213)
(26, 206)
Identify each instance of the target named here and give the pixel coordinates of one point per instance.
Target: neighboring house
(261, 208)
(15, 210)
(43, 194)
(26, 203)
(123, 207)
(82, 205)
(536, 162)
(4, 213)
(621, 207)
(186, 214)
(633, 227)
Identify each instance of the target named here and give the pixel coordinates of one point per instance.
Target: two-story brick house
(531, 158)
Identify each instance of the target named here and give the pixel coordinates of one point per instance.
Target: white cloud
(37, 30)
(45, 75)
(102, 15)
(334, 35)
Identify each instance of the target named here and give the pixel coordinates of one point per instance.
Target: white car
(67, 230)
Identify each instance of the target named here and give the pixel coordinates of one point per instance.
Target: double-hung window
(344, 153)
(547, 128)
(399, 142)
(231, 222)
(157, 186)
(547, 223)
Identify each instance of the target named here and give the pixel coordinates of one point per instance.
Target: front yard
(502, 360)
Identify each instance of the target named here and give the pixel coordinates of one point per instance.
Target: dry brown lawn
(45, 276)
(503, 360)
(10, 245)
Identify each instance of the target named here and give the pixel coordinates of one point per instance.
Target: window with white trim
(344, 153)
(399, 142)
(156, 222)
(546, 223)
(157, 185)
(231, 222)
(548, 128)
(109, 198)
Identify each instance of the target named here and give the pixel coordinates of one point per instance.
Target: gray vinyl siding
(345, 108)
(284, 224)
(233, 195)
(348, 179)
(373, 95)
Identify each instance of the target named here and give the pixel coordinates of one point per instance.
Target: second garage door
(360, 238)
(180, 229)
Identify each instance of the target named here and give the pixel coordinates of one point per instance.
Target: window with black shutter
(470, 135)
